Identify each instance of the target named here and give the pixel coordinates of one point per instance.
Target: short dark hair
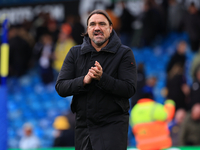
(102, 12)
(98, 11)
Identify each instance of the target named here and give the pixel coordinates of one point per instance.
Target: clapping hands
(93, 73)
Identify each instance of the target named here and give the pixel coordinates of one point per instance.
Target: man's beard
(99, 43)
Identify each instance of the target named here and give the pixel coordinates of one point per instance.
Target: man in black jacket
(101, 76)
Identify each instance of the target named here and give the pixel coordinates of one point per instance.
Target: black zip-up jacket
(102, 106)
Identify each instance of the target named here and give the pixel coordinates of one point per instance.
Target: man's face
(28, 131)
(196, 112)
(99, 30)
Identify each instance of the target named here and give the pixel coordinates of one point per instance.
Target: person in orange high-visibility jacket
(148, 120)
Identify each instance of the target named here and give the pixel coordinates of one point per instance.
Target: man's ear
(111, 27)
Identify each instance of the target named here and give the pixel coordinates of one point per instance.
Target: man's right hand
(87, 79)
(93, 73)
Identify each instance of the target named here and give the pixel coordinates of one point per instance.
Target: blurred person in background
(77, 28)
(43, 23)
(101, 75)
(52, 28)
(29, 140)
(190, 130)
(25, 33)
(65, 126)
(43, 55)
(152, 23)
(195, 64)
(175, 126)
(149, 121)
(144, 85)
(63, 45)
(115, 19)
(195, 88)
(176, 84)
(174, 15)
(40, 25)
(177, 87)
(179, 57)
(150, 83)
(126, 29)
(20, 52)
(141, 81)
(190, 23)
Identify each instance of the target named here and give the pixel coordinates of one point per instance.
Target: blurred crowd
(184, 129)
(43, 43)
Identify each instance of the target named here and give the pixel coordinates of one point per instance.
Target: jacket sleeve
(170, 109)
(164, 113)
(125, 84)
(159, 113)
(67, 84)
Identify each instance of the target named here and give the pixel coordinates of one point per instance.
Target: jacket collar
(112, 46)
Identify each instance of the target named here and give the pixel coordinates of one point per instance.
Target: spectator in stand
(190, 23)
(77, 28)
(29, 140)
(141, 79)
(165, 6)
(20, 52)
(152, 23)
(179, 57)
(175, 126)
(39, 26)
(173, 21)
(24, 32)
(195, 88)
(190, 130)
(115, 19)
(63, 45)
(195, 63)
(177, 88)
(53, 29)
(64, 126)
(126, 29)
(43, 53)
(149, 85)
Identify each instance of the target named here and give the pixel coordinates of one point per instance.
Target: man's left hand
(97, 71)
